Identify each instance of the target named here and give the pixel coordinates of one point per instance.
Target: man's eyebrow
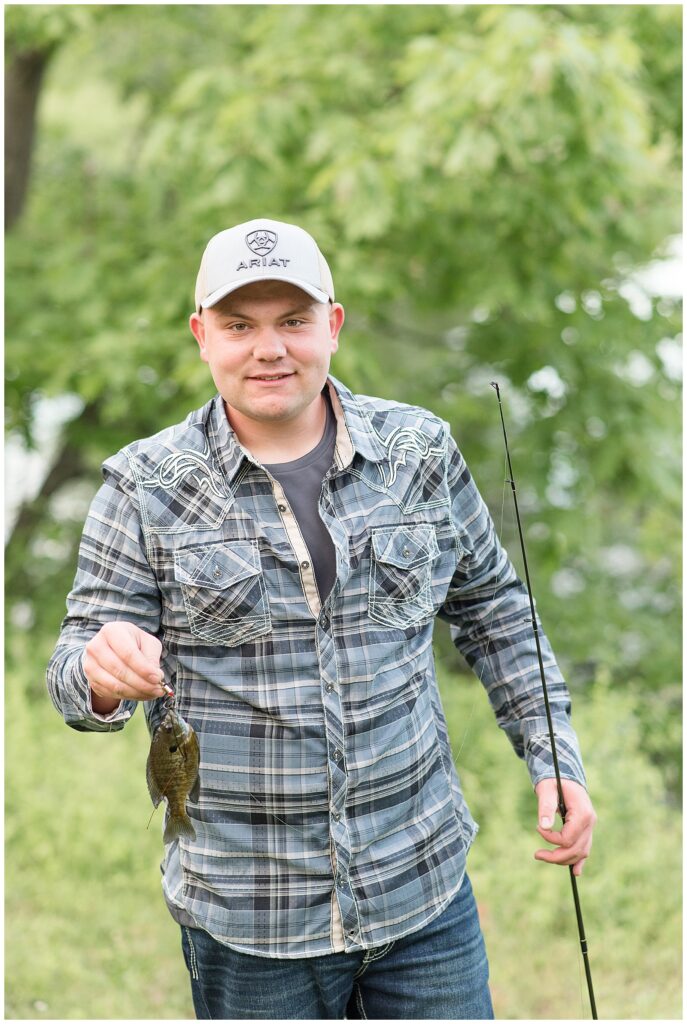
(302, 307)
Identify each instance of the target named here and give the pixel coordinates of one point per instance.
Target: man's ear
(336, 319)
(197, 326)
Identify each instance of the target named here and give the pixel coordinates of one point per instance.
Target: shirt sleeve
(114, 582)
(488, 609)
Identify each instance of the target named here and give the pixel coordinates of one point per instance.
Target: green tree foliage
(485, 181)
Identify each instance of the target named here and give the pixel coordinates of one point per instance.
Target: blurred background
(497, 190)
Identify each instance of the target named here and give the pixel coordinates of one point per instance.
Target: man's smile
(272, 378)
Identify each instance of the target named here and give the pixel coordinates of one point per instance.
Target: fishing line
(294, 828)
(151, 816)
(579, 972)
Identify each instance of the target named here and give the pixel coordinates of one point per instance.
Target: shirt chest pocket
(224, 592)
(400, 587)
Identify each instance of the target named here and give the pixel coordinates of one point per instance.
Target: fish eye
(173, 749)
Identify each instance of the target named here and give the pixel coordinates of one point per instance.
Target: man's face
(268, 346)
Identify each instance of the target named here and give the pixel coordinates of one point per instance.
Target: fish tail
(178, 826)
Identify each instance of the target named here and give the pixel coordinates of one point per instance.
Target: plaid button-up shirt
(330, 814)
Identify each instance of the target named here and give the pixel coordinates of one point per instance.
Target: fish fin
(177, 827)
(195, 790)
(153, 788)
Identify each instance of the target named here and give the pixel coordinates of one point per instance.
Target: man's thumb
(547, 814)
(547, 807)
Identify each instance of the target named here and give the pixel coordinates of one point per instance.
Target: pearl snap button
(282, 508)
(218, 572)
(406, 552)
(305, 565)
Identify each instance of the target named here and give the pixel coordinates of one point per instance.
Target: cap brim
(214, 297)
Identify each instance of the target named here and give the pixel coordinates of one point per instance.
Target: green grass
(630, 889)
(88, 934)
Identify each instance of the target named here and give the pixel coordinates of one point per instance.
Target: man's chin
(271, 415)
(267, 409)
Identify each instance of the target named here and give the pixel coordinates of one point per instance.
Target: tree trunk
(69, 464)
(23, 78)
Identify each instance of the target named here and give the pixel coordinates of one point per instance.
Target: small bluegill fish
(172, 772)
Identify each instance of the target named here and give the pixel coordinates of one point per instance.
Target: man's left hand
(574, 841)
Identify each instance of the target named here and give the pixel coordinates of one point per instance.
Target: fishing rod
(562, 810)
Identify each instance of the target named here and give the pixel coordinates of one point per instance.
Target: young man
(279, 559)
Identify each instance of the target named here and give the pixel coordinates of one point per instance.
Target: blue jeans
(437, 973)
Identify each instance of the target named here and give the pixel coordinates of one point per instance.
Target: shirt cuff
(539, 757)
(81, 698)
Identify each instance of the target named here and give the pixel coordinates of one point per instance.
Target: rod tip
(495, 386)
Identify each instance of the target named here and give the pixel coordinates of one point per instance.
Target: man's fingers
(132, 657)
(105, 684)
(568, 859)
(151, 648)
(138, 649)
(552, 837)
(109, 670)
(573, 841)
(122, 661)
(578, 851)
(575, 825)
(143, 659)
(557, 856)
(137, 674)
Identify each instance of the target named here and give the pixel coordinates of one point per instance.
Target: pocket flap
(405, 546)
(217, 566)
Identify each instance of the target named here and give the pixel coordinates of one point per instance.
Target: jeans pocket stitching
(194, 972)
(372, 955)
(192, 955)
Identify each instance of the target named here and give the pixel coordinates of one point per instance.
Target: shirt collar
(354, 432)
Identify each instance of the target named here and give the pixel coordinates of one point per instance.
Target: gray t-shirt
(302, 483)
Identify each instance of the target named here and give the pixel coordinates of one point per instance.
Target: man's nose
(269, 345)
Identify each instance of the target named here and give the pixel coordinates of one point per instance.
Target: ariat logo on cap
(262, 243)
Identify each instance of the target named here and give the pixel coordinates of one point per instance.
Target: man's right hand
(122, 662)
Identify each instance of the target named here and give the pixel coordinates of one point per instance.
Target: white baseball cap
(262, 250)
